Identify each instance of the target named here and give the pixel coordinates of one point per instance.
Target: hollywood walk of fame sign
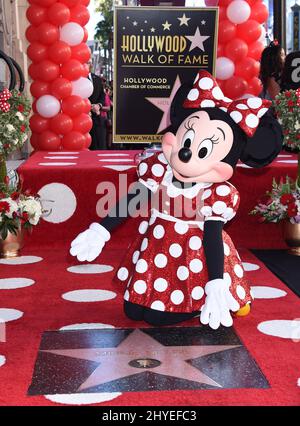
(156, 49)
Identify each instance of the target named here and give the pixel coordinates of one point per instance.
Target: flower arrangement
(281, 203)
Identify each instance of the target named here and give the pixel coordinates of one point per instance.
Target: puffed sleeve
(221, 202)
(151, 171)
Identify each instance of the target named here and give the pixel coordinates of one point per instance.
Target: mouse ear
(177, 112)
(265, 145)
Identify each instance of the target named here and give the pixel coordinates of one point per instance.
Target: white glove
(218, 304)
(89, 244)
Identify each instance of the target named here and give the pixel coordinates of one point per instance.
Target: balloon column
(240, 43)
(59, 72)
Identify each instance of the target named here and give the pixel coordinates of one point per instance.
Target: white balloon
(72, 33)
(82, 87)
(238, 11)
(48, 106)
(224, 68)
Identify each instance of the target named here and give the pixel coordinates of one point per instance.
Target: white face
(206, 142)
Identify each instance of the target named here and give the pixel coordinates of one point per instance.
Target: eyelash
(189, 126)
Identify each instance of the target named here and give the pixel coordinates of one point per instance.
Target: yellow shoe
(245, 310)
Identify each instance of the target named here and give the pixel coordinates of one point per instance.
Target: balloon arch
(59, 55)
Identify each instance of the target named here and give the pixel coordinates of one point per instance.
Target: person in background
(107, 115)
(271, 66)
(291, 72)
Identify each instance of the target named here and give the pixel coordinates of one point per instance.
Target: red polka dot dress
(165, 266)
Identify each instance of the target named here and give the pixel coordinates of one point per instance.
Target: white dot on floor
(2, 360)
(12, 283)
(21, 260)
(250, 266)
(86, 326)
(93, 268)
(59, 202)
(57, 164)
(119, 168)
(89, 295)
(7, 314)
(287, 329)
(263, 292)
(82, 398)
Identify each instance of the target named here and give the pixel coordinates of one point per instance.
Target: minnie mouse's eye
(205, 149)
(188, 138)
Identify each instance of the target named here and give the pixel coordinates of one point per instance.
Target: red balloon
(61, 124)
(59, 52)
(31, 34)
(221, 84)
(255, 50)
(45, 3)
(87, 106)
(81, 52)
(82, 123)
(37, 52)
(48, 141)
(259, 12)
(224, 2)
(47, 70)
(86, 35)
(39, 88)
(88, 140)
(58, 14)
(236, 49)
(80, 14)
(38, 124)
(70, 3)
(85, 70)
(36, 14)
(72, 69)
(85, 2)
(251, 2)
(33, 71)
(34, 141)
(247, 68)
(34, 107)
(61, 88)
(249, 31)
(222, 14)
(220, 50)
(236, 87)
(47, 33)
(211, 3)
(73, 105)
(227, 31)
(73, 141)
(254, 86)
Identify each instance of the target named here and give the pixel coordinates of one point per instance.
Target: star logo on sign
(135, 23)
(166, 26)
(140, 352)
(184, 20)
(203, 22)
(197, 40)
(152, 30)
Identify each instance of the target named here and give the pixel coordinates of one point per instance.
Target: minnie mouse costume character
(182, 262)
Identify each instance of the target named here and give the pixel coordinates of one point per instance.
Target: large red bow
(206, 93)
(5, 95)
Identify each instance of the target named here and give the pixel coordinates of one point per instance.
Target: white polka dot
(175, 250)
(143, 167)
(201, 225)
(158, 305)
(197, 293)
(250, 266)
(287, 329)
(82, 398)
(242, 106)
(123, 274)
(224, 109)
(158, 232)
(206, 194)
(223, 190)
(13, 283)
(227, 99)
(158, 170)
(59, 202)
(252, 121)
(206, 211)
(236, 116)
(141, 266)
(197, 78)
(160, 260)
(160, 284)
(2, 360)
(238, 270)
(21, 260)
(217, 93)
(182, 273)
(152, 220)
(143, 227)
(7, 314)
(196, 265)
(262, 112)
(207, 103)
(226, 249)
(181, 227)
(177, 297)
(219, 207)
(86, 326)
(240, 292)
(57, 164)
(263, 292)
(229, 213)
(227, 278)
(126, 295)
(254, 103)
(162, 158)
(235, 199)
(195, 243)
(135, 257)
(193, 94)
(140, 287)
(252, 294)
(92, 268)
(89, 295)
(144, 244)
(206, 83)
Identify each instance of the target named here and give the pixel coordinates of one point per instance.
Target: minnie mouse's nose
(185, 155)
